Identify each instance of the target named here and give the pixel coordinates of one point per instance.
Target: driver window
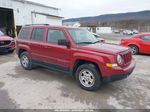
(54, 35)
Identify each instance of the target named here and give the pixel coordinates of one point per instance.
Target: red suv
(76, 52)
(7, 44)
(138, 43)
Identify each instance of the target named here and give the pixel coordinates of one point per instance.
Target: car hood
(105, 48)
(5, 38)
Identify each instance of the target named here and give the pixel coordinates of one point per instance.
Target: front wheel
(134, 49)
(88, 77)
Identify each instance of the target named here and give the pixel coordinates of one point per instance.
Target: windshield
(1, 33)
(80, 36)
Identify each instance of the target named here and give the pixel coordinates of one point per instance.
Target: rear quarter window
(24, 34)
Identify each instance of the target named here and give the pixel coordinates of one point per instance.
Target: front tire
(88, 77)
(134, 49)
(25, 61)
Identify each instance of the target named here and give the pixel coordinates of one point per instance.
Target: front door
(58, 56)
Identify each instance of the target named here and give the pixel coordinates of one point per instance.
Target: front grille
(127, 56)
(4, 43)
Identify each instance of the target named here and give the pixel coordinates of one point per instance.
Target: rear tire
(134, 49)
(88, 77)
(25, 61)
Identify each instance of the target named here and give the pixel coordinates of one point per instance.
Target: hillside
(142, 15)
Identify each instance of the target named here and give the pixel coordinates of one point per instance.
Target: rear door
(37, 43)
(145, 43)
(23, 39)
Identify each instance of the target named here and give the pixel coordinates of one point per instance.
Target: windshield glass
(80, 36)
(1, 33)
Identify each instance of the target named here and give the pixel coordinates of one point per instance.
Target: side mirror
(64, 42)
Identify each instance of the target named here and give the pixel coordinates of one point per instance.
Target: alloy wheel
(86, 78)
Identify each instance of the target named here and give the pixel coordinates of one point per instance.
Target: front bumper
(7, 49)
(116, 77)
(120, 73)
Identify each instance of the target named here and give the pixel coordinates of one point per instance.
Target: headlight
(119, 59)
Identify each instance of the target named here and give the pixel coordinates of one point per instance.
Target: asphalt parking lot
(44, 89)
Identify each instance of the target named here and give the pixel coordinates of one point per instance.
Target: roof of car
(142, 34)
(49, 26)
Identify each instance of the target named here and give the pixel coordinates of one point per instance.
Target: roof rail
(36, 24)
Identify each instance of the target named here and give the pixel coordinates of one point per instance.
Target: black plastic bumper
(6, 49)
(117, 77)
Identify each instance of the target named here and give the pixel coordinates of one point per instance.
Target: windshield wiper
(85, 43)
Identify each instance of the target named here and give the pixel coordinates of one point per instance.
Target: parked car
(7, 44)
(138, 43)
(135, 32)
(99, 37)
(127, 32)
(117, 31)
(76, 52)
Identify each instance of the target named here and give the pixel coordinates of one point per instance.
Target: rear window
(37, 34)
(24, 33)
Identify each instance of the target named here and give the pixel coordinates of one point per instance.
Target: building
(16, 13)
(71, 24)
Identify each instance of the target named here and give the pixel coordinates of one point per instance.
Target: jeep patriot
(76, 52)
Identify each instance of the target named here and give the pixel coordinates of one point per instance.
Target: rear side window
(37, 34)
(24, 33)
(54, 35)
(145, 37)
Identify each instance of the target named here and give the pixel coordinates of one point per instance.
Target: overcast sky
(81, 8)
